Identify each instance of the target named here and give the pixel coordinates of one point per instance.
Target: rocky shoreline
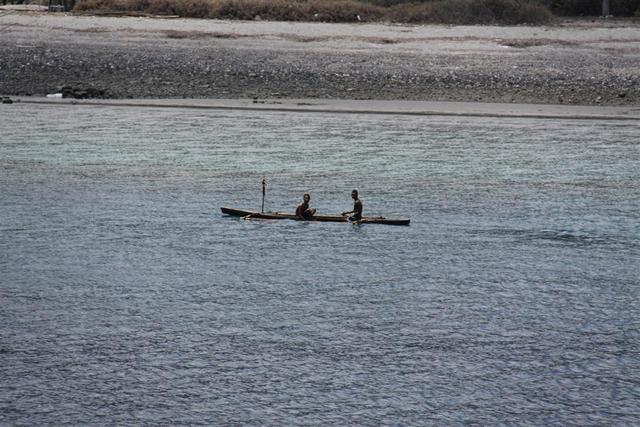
(122, 58)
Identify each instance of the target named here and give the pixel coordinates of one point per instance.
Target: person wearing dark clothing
(356, 213)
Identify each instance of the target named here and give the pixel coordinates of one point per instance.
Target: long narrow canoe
(322, 218)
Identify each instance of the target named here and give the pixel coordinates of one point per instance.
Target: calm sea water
(128, 299)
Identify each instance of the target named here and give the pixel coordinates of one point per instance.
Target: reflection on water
(128, 298)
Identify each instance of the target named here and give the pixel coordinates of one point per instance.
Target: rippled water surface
(127, 298)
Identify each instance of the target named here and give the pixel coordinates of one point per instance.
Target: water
(128, 299)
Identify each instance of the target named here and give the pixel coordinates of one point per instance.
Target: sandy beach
(341, 106)
(579, 63)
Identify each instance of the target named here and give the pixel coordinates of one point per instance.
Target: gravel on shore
(583, 63)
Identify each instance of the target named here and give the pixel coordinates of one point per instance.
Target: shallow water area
(128, 298)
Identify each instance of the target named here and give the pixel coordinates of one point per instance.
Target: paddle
(264, 190)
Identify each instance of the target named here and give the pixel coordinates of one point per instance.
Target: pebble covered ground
(587, 63)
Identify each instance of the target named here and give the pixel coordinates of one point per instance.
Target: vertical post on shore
(605, 8)
(264, 190)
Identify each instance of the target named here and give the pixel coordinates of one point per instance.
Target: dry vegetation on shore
(468, 12)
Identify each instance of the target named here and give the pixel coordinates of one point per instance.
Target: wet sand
(425, 108)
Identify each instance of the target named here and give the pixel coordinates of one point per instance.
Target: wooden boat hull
(321, 218)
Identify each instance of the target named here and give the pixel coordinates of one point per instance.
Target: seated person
(303, 210)
(356, 213)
